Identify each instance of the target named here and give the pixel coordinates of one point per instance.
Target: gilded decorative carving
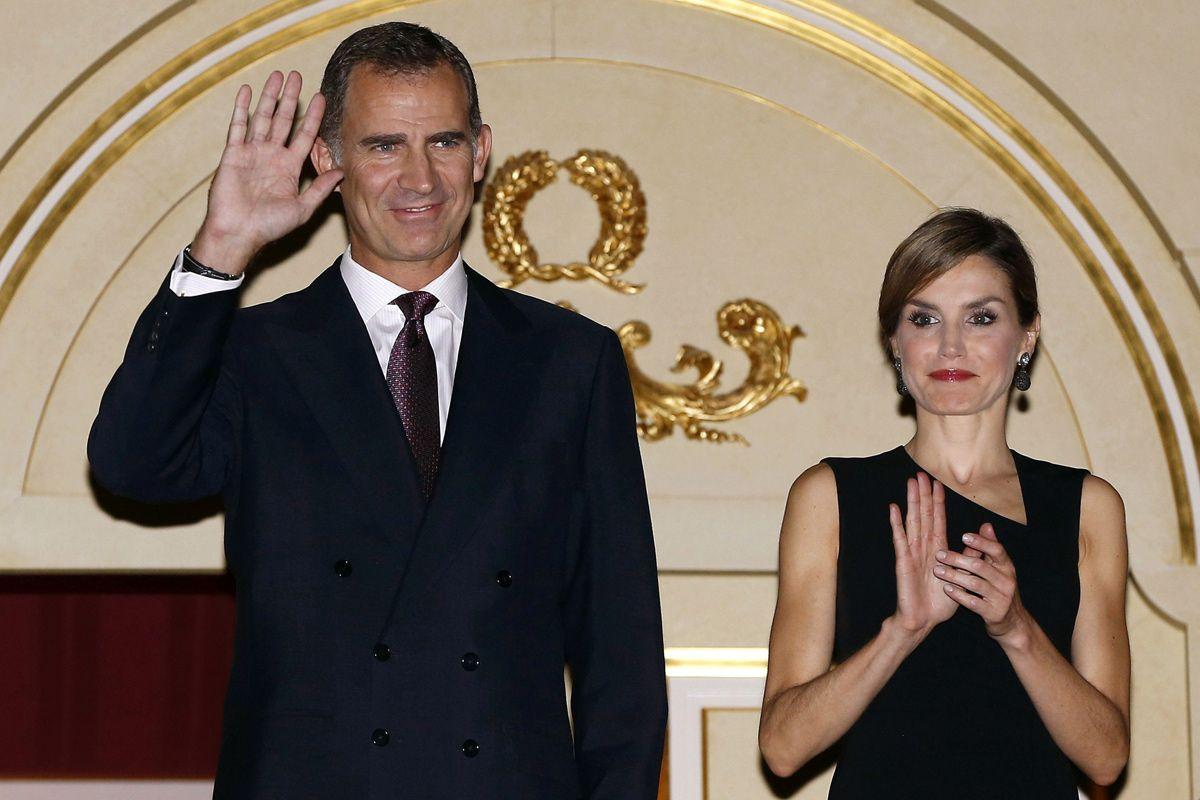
(611, 184)
(748, 325)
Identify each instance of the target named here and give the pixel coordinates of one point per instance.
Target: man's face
(409, 168)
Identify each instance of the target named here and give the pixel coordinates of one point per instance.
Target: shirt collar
(371, 291)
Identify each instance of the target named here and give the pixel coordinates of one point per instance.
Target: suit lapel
(494, 382)
(327, 353)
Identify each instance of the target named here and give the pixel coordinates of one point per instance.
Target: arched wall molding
(843, 33)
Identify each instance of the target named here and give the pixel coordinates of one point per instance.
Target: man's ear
(483, 149)
(322, 158)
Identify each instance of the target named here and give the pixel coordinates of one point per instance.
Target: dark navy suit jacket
(386, 648)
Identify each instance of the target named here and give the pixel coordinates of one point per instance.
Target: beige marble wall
(783, 148)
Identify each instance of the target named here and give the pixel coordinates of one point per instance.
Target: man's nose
(418, 175)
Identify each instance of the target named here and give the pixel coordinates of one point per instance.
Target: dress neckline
(1016, 457)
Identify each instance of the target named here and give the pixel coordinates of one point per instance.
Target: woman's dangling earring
(901, 387)
(1021, 378)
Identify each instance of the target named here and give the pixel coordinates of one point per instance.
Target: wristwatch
(192, 265)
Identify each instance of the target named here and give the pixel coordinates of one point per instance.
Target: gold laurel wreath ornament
(611, 184)
(747, 325)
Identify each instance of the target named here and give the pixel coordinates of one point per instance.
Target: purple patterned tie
(412, 379)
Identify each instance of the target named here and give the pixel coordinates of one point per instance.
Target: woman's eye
(921, 319)
(982, 318)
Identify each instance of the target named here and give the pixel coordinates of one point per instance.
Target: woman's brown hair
(941, 243)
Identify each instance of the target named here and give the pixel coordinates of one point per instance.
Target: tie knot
(416, 305)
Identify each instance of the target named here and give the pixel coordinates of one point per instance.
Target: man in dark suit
(434, 497)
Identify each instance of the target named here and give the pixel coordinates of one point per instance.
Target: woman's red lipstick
(952, 375)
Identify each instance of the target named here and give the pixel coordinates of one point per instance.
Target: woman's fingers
(264, 112)
(912, 515)
(899, 540)
(974, 565)
(977, 604)
(939, 513)
(926, 491)
(960, 577)
(986, 542)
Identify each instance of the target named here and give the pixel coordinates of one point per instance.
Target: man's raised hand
(255, 196)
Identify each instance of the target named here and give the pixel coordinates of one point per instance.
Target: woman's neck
(964, 448)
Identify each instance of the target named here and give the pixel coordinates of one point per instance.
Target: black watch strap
(192, 265)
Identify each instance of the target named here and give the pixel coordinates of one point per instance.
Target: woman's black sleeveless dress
(954, 720)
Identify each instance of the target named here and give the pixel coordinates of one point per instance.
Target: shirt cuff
(190, 284)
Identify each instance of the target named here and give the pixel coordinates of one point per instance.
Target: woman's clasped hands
(932, 581)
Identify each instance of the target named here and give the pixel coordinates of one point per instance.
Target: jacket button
(470, 748)
(470, 662)
(343, 568)
(379, 737)
(504, 578)
(382, 652)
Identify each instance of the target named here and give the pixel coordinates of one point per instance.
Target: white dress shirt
(373, 295)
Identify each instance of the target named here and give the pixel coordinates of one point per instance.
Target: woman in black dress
(981, 648)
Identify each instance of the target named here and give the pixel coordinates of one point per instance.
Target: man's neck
(409, 275)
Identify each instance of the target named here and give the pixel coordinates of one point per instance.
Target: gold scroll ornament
(747, 325)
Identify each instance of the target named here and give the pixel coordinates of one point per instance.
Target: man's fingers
(260, 123)
(285, 113)
(310, 126)
(321, 187)
(241, 113)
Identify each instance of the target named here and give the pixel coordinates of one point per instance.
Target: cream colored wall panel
(733, 767)
(778, 67)
(44, 317)
(1159, 753)
(65, 534)
(178, 27)
(725, 610)
(1127, 71)
(47, 44)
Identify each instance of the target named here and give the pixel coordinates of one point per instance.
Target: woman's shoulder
(851, 467)
(852, 462)
(1037, 465)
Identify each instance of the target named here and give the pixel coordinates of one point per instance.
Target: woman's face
(959, 339)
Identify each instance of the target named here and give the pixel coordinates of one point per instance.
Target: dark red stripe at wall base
(119, 676)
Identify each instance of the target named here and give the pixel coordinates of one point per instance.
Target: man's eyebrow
(448, 136)
(383, 138)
